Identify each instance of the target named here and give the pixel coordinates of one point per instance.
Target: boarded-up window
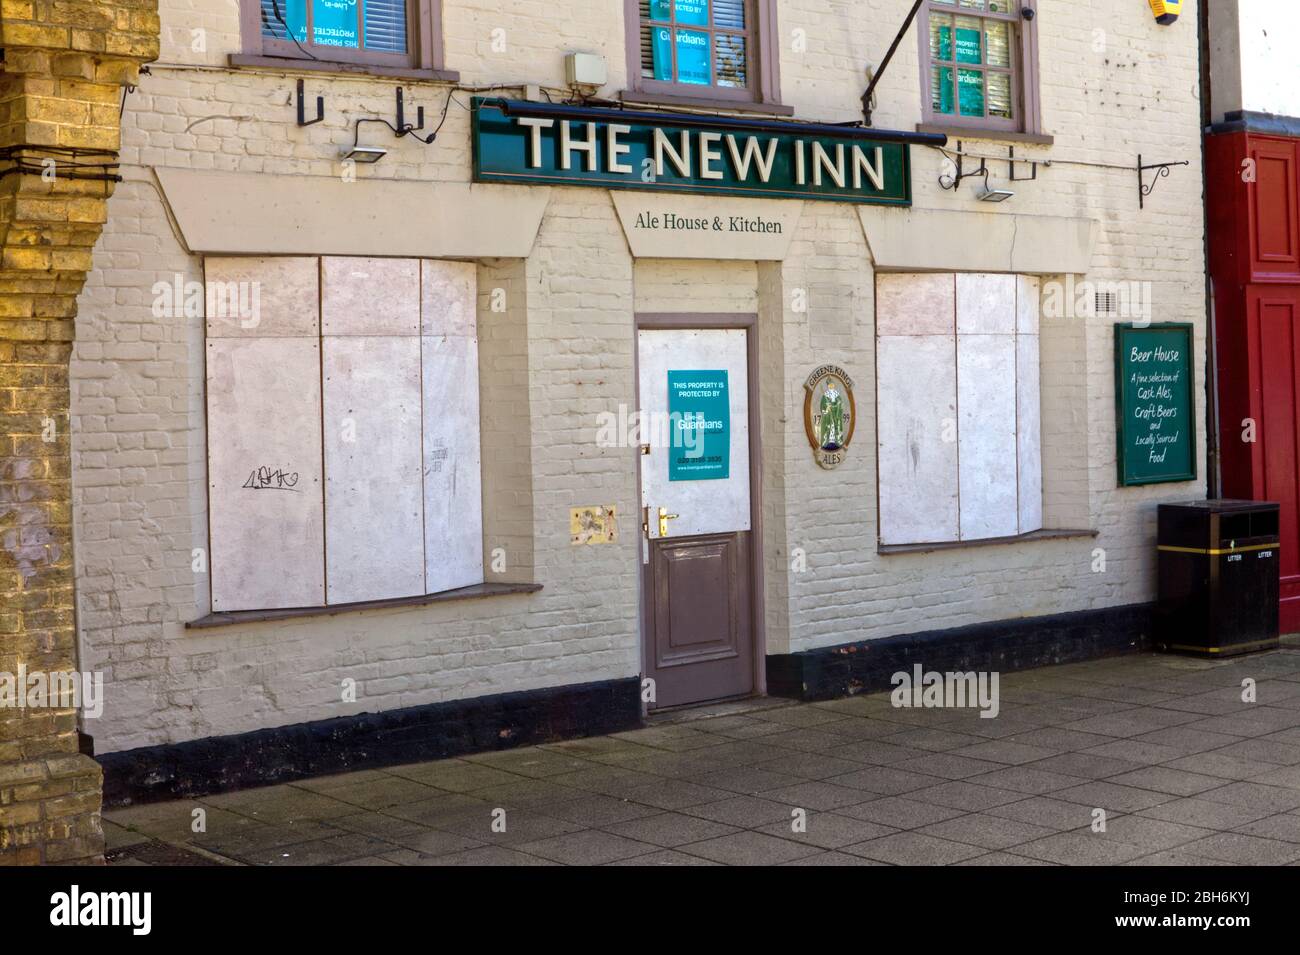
(958, 406)
(343, 434)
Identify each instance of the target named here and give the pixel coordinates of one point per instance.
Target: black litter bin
(1218, 577)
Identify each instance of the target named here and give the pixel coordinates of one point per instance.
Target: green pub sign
(706, 157)
(1155, 417)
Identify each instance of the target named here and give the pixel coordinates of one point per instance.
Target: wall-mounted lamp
(365, 154)
(1166, 11)
(985, 193)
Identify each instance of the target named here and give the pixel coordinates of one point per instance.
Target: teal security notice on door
(699, 412)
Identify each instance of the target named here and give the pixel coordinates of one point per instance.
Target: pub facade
(455, 374)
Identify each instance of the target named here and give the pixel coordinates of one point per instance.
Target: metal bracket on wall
(873, 76)
(1011, 167)
(953, 181)
(1162, 169)
(302, 100)
(403, 128)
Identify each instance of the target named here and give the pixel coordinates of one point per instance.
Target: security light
(366, 154)
(994, 195)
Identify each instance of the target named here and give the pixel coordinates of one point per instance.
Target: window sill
(289, 63)
(975, 132)
(1041, 535)
(704, 102)
(230, 618)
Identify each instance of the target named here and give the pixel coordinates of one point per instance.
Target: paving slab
(1188, 773)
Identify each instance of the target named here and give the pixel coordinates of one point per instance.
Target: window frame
(423, 59)
(762, 92)
(1024, 72)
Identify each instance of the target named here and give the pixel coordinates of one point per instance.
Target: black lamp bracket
(302, 101)
(953, 181)
(1011, 167)
(403, 128)
(1161, 168)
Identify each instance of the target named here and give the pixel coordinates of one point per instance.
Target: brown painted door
(698, 615)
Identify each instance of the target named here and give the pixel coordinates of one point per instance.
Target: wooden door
(1276, 318)
(698, 626)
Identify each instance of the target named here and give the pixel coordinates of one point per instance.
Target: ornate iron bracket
(1162, 169)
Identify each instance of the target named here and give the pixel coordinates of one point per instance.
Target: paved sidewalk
(1186, 772)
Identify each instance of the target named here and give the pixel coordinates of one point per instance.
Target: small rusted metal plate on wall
(593, 524)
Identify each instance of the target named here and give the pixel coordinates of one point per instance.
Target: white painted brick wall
(1113, 84)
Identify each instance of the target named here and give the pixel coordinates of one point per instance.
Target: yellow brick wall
(65, 63)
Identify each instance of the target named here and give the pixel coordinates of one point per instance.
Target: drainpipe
(1213, 476)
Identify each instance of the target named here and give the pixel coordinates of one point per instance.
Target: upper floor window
(979, 64)
(706, 50)
(400, 35)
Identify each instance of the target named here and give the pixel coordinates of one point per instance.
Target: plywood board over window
(958, 406)
(354, 395)
(264, 413)
(917, 408)
(372, 412)
(453, 514)
(986, 401)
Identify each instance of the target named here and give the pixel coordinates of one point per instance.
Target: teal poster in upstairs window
(692, 45)
(334, 23)
(661, 49)
(693, 12)
(693, 57)
(970, 88)
(699, 411)
(971, 91)
(968, 45)
(279, 17)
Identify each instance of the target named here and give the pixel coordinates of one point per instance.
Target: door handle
(663, 516)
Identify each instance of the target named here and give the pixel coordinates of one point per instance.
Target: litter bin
(1218, 577)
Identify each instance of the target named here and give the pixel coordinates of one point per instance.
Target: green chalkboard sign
(1155, 418)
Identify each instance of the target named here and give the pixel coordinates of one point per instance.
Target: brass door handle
(664, 518)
